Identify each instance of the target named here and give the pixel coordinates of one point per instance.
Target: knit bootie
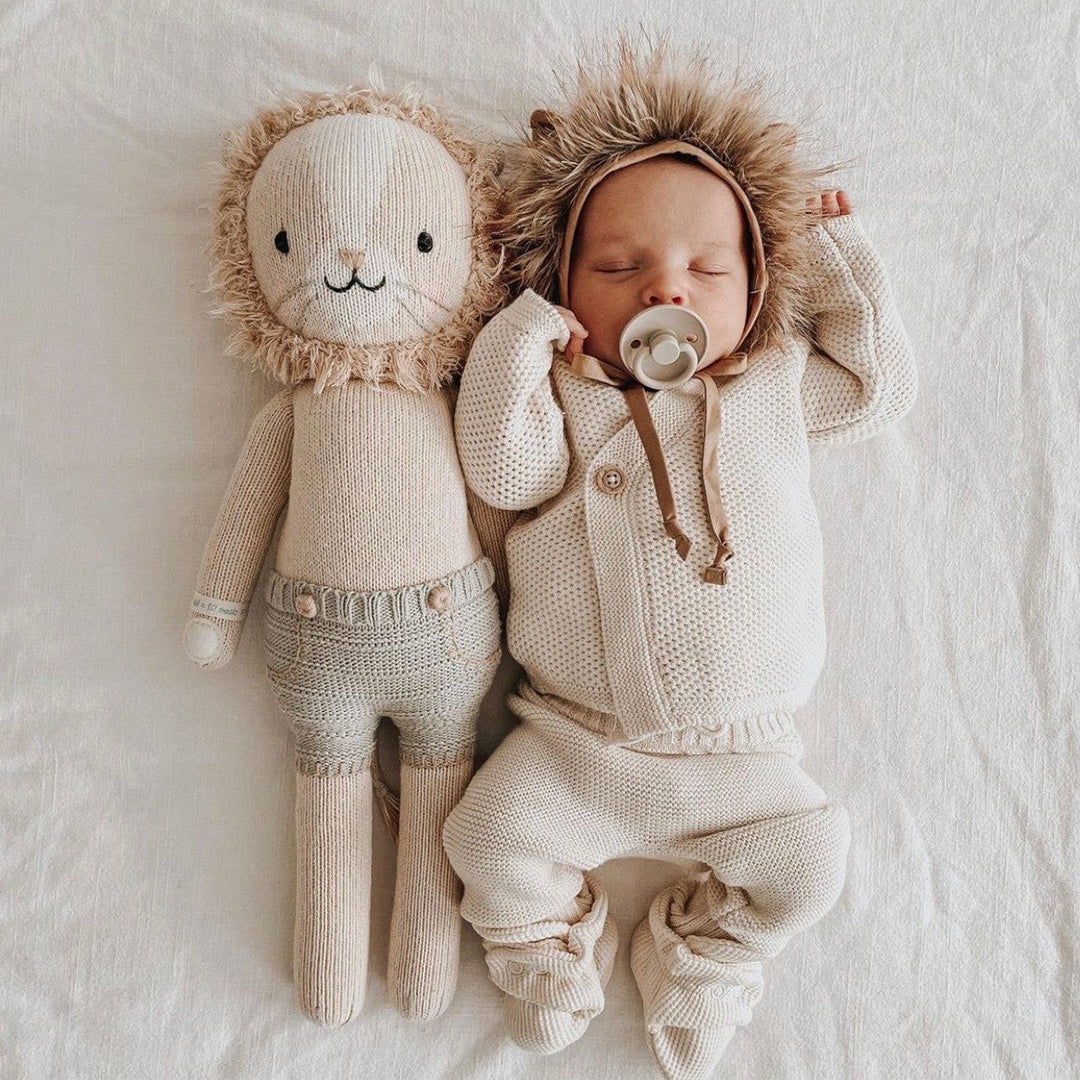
(541, 1029)
(683, 1053)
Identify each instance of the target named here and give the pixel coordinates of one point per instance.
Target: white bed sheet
(146, 807)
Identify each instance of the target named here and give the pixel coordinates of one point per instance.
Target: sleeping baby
(695, 312)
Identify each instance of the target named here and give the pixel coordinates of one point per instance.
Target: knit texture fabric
(363, 512)
(425, 930)
(352, 240)
(555, 801)
(737, 736)
(423, 656)
(639, 638)
(257, 492)
(339, 661)
(333, 894)
(353, 467)
(688, 1050)
(305, 188)
(544, 1028)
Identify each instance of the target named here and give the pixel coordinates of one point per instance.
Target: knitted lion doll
(351, 252)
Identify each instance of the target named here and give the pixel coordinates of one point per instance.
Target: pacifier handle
(664, 347)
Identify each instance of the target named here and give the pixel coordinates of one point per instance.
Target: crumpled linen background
(146, 807)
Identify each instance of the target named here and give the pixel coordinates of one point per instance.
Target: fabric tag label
(219, 609)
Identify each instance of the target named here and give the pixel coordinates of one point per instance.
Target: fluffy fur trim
(420, 363)
(622, 102)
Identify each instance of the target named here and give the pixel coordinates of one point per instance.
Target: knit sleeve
(860, 374)
(257, 492)
(510, 433)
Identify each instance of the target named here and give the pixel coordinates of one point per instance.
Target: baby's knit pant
(555, 801)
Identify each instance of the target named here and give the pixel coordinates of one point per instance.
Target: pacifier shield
(662, 346)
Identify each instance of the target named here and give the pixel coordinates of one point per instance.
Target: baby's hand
(578, 333)
(829, 203)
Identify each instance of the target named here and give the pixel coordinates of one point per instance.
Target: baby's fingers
(828, 203)
(571, 321)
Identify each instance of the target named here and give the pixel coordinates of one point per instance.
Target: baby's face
(662, 231)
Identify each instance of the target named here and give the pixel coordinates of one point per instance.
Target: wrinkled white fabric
(146, 807)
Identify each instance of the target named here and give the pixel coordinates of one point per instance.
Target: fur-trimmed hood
(623, 103)
(390, 350)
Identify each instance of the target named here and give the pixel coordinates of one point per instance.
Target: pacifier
(662, 346)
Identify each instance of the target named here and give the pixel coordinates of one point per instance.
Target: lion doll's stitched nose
(352, 257)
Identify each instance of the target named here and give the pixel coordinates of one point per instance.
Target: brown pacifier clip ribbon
(636, 399)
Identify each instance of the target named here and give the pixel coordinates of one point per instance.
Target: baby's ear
(542, 124)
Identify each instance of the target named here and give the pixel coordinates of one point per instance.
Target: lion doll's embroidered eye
(281, 242)
(424, 242)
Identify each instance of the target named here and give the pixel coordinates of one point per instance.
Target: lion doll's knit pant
(557, 799)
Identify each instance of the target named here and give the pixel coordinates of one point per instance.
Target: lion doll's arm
(234, 553)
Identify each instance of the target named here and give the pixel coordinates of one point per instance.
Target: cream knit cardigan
(603, 612)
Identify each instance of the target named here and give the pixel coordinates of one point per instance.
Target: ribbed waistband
(384, 607)
(726, 736)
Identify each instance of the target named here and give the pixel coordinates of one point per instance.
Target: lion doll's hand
(211, 642)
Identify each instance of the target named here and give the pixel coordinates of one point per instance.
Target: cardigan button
(609, 478)
(305, 606)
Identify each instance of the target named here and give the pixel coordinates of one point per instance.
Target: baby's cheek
(603, 341)
(724, 324)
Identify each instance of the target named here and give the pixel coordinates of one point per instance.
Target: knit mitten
(683, 1053)
(425, 930)
(333, 894)
(543, 1029)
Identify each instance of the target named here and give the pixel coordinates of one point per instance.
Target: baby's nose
(353, 257)
(662, 292)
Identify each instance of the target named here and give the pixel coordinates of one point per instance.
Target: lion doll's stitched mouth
(354, 280)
